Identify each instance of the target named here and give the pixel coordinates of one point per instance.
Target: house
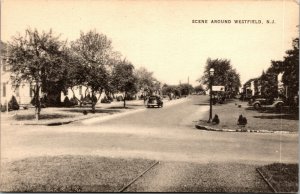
(252, 87)
(23, 93)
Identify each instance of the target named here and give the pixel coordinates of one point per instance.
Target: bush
(130, 97)
(67, 102)
(13, 104)
(43, 101)
(73, 101)
(105, 100)
(3, 108)
(119, 98)
(87, 100)
(33, 101)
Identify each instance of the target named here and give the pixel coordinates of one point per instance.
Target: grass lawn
(283, 177)
(70, 174)
(63, 114)
(264, 120)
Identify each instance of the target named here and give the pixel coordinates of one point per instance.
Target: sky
(160, 35)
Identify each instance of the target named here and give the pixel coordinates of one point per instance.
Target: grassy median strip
(264, 120)
(282, 177)
(70, 174)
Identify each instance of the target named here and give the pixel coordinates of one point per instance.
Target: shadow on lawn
(42, 117)
(108, 111)
(120, 107)
(279, 116)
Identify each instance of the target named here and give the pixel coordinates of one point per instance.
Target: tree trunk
(37, 102)
(93, 107)
(124, 100)
(94, 101)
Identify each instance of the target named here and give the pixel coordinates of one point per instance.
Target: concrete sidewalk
(194, 177)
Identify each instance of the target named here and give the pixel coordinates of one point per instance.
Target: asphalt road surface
(186, 154)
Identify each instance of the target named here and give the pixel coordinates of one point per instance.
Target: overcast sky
(160, 35)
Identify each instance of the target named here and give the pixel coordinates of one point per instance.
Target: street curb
(208, 128)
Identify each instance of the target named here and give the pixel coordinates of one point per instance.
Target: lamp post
(211, 74)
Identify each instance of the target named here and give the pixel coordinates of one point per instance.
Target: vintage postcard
(149, 96)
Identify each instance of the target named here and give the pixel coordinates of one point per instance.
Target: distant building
(252, 87)
(23, 93)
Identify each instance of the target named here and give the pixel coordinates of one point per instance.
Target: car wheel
(257, 106)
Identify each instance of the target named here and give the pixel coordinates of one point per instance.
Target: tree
(199, 89)
(269, 84)
(123, 79)
(37, 59)
(290, 77)
(224, 75)
(171, 90)
(185, 89)
(92, 52)
(146, 82)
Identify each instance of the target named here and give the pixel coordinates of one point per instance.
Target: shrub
(119, 98)
(33, 101)
(67, 102)
(73, 101)
(110, 98)
(13, 104)
(105, 100)
(3, 108)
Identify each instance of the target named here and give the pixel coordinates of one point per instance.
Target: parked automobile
(154, 101)
(258, 103)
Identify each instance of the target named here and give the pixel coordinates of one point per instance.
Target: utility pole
(188, 79)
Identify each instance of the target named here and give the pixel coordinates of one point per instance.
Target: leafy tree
(199, 88)
(146, 81)
(91, 55)
(269, 84)
(185, 89)
(38, 59)
(123, 79)
(290, 77)
(171, 89)
(224, 75)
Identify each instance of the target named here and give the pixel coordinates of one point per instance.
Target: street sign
(218, 88)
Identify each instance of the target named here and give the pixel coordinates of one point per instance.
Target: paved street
(165, 134)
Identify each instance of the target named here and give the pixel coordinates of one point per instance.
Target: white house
(24, 93)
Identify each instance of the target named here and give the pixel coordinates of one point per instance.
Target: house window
(4, 90)
(17, 91)
(80, 90)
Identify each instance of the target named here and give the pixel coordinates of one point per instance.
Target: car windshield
(152, 98)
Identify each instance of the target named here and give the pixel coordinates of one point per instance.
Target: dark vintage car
(154, 101)
(258, 103)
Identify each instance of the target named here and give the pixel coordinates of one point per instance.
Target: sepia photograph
(149, 96)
